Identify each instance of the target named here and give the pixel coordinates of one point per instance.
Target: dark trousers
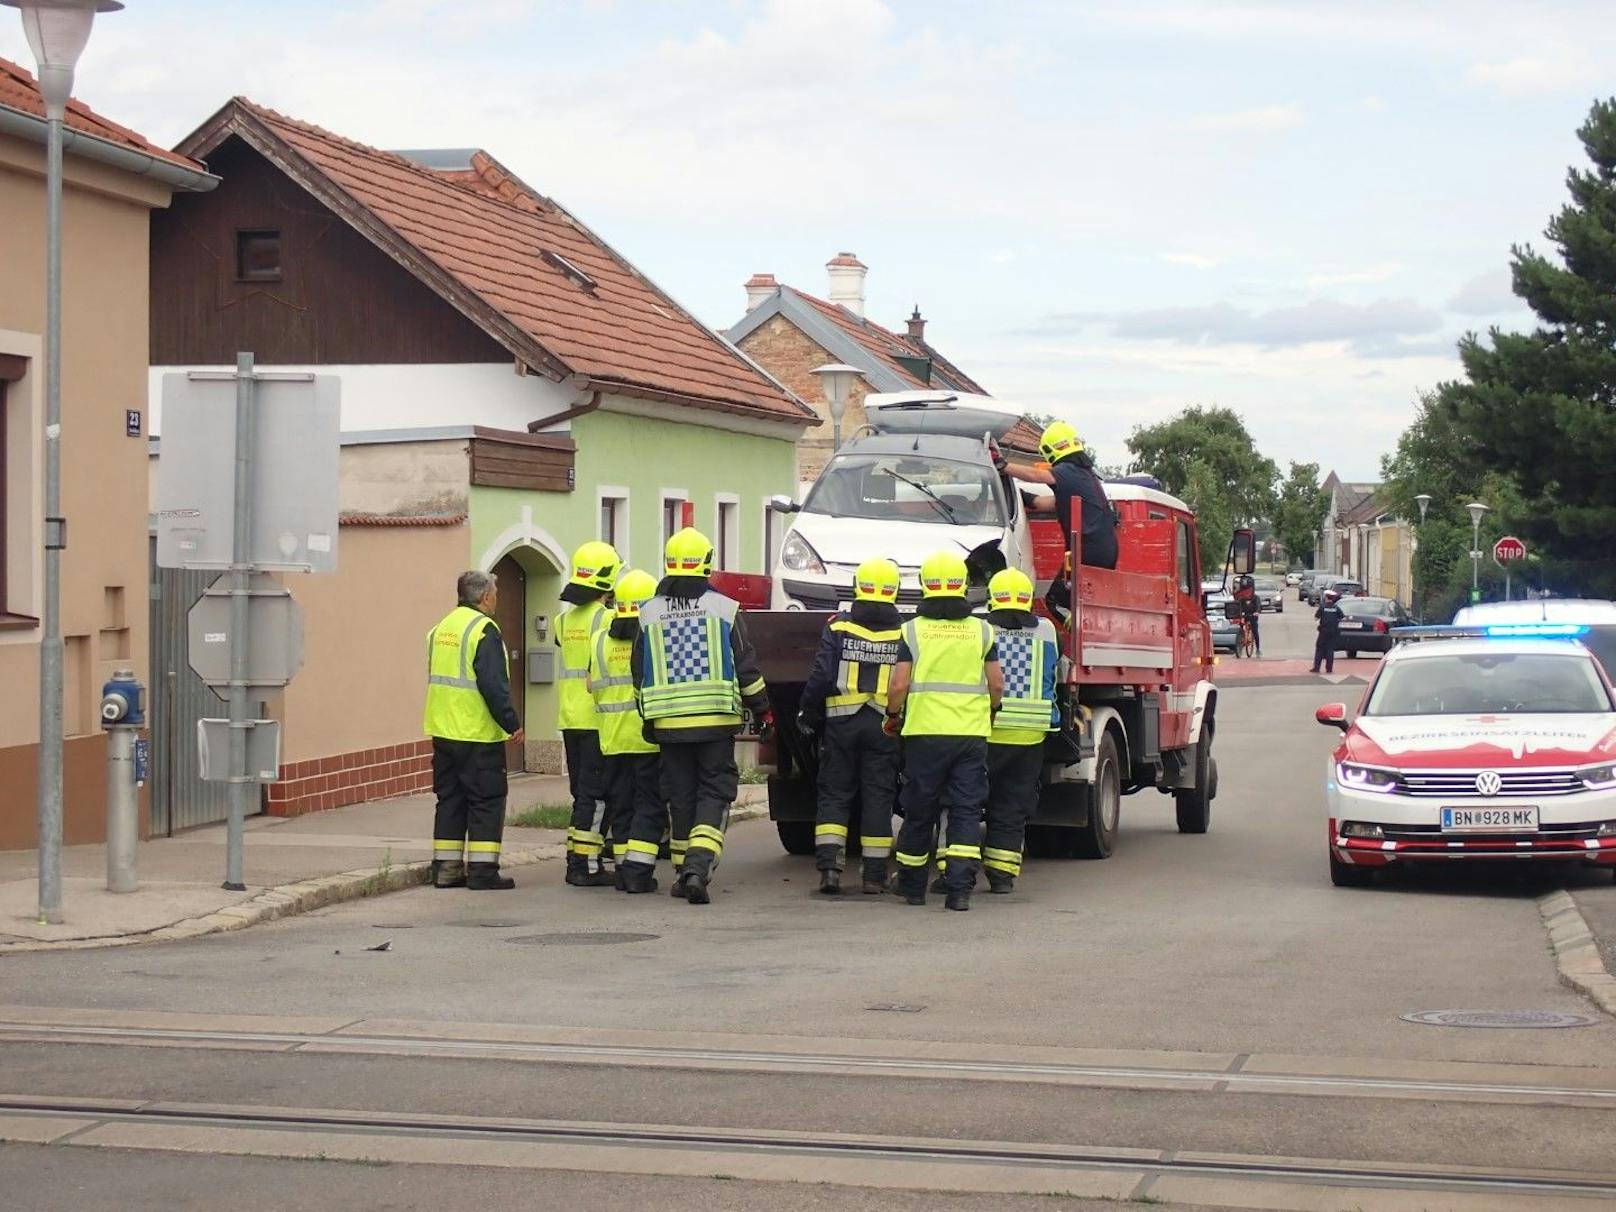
(699, 782)
(1013, 775)
(468, 778)
(586, 780)
(945, 779)
(1256, 631)
(633, 799)
(1324, 653)
(858, 767)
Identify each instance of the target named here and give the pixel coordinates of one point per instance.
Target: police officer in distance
(595, 567)
(944, 690)
(694, 669)
(633, 771)
(469, 716)
(846, 697)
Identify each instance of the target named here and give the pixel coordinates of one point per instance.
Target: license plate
(1489, 820)
(1351, 626)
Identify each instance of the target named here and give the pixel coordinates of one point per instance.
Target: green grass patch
(542, 816)
(754, 774)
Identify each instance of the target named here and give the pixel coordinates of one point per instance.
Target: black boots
(695, 888)
(580, 876)
(830, 882)
(1000, 882)
(485, 877)
(875, 877)
(636, 878)
(959, 900)
(911, 885)
(448, 873)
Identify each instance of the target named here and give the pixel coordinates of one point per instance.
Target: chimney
(847, 281)
(917, 327)
(758, 288)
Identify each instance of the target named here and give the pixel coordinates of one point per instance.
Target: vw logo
(1489, 782)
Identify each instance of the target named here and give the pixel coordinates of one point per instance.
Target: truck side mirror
(1243, 552)
(780, 503)
(1333, 715)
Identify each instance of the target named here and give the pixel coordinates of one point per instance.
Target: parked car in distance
(1366, 624)
(1225, 632)
(1270, 593)
(1345, 588)
(1313, 590)
(1293, 578)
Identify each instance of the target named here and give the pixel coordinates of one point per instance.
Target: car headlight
(1607, 829)
(1362, 829)
(796, 555)
(1366, 778)
(1598, 778)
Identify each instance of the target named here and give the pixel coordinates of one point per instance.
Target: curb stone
(1576, 952)
(303, 896)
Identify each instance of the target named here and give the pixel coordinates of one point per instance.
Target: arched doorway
(511, 617)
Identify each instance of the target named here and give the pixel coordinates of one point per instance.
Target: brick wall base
(351, 778)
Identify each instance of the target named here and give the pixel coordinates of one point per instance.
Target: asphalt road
(1226, 953)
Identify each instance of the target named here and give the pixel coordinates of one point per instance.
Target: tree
(1299, 505)
(1206, 456)
(1540, 407)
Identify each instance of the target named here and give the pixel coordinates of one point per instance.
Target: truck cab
(920, 477)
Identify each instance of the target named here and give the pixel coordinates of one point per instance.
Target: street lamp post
(1423, 500)
(836, 381)
(57, 32)
(1476, 509)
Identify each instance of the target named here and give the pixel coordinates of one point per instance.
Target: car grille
(1547, 835)
(1461, 784)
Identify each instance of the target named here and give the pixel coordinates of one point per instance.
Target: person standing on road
(1329, 616)
(846, 698)
(595, 566)
(943, 694)
(694, 669)
(469, 716)
(633, 771)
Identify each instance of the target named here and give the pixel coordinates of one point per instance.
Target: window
(908, 488)
(1186, 564)
(673, 512)
(612, 526)
(727, 536)
(771, 538)
(258, 256)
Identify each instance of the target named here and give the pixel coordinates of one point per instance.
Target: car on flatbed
(1500, 745)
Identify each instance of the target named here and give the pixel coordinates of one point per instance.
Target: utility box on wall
(540, 666)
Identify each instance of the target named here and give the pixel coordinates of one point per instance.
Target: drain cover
(1533, 1019)
(476, 924)
(595, 939)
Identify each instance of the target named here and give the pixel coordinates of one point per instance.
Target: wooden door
(511, 615)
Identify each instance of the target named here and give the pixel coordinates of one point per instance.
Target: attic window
(568, 268)
(258, 255)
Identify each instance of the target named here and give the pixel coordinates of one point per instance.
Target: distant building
(1360, 538)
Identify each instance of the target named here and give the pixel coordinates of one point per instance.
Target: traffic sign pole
(240, 628)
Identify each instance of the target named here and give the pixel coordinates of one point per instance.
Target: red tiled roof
(1023, 438)
(889, 346)
(20, 91)
(520, 265)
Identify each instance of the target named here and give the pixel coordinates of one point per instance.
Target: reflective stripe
(752, 688)
(833, 830)
(455, 846)
(705, 837)
(574, 673)
(876, 847)
(874, 841)
(640, 856)
(963, 852)
(1009, 856)
(910, 860)
(455, 709)
(482, 847)
(638, 847)
(433, 679)
(612, 708)
(1003, 865)
(602, 683)
(952, 687)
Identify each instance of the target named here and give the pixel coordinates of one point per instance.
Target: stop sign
(1509, 548)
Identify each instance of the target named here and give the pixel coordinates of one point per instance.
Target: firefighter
(694, 670)
(469, 716)
(1071, 477)
(595, 566)
(1028, 656)
(942, 696)
(846, 698)
(632, 768)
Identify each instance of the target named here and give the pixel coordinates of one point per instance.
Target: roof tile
(20, 91)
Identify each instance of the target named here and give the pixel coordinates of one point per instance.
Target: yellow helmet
(689, 553)
(633, 587)
(595, 565)
(1010, 589)
(943, 575)
(1059, 440)
(876, 581)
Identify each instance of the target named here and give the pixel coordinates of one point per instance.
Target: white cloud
(1487, 294)
(1193, 260)
(1370, 105)
(1002, 257)
(1263, 119)
(1369, 273)
(1532, 76)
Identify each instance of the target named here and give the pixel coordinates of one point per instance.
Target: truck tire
(1098, 838)
(796, 836)
(1049, 841)
(1194, 804)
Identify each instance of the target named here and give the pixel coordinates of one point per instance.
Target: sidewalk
(1292, 671)
(293, 864)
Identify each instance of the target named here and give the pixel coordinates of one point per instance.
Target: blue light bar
(1561, 631)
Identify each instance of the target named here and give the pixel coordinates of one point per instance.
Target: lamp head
(836, 381)
(1476, 509)
(57, 32)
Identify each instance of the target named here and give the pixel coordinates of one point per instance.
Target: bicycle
(1245, 644)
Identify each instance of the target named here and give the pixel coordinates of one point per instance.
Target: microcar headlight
(1366, 778)
(796, 555)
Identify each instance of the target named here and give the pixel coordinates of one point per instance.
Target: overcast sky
(1108, 210)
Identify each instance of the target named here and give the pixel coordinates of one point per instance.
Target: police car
(1492, 742)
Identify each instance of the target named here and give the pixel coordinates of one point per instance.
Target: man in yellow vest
(595, 567)
(846, 698)
(944, 690)
(633, 768)
(695, 669)
(469, 716)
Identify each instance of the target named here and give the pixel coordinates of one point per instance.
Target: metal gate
(177, 699)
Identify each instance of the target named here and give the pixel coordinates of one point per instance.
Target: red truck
(1137, 671)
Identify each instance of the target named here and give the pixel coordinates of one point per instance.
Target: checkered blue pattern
(686, 648)
(1015, 660)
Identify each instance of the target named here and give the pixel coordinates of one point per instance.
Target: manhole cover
(597, 939)
(489, 925)
(1498, 1018)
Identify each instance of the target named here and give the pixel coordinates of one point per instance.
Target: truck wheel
(796, 836)
(1194, 804)
(1098, 838)
(1343, 876)
(1049, 841)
